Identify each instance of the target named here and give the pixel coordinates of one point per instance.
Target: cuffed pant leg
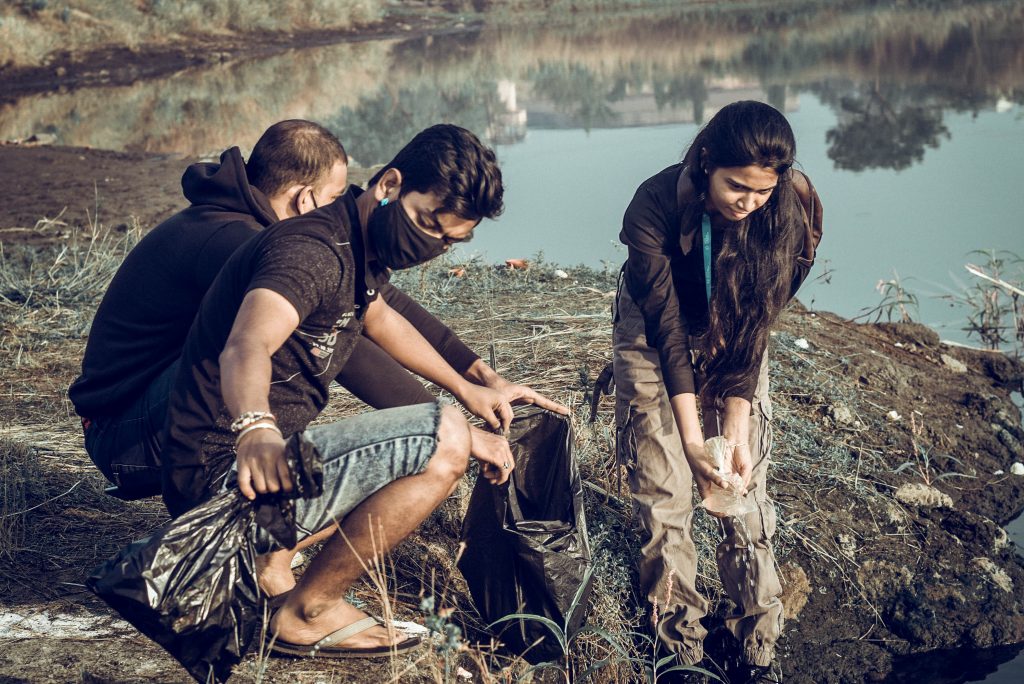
(360, 455)
(746, 562)
(648, 444)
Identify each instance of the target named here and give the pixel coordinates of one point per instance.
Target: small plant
(996, 302)
(896, 299)
(437, 620)
(563, 636)
(923, 461)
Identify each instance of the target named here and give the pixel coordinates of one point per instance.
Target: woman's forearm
(684, 410)
(736, 420)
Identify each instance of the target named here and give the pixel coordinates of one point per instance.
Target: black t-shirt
(309, 261)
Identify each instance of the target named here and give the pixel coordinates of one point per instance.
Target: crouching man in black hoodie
(277, 324)
(136, 339)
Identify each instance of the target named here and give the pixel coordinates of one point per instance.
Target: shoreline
(118, 65)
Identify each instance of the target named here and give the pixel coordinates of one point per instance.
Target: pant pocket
(136, 482)
(766, 509)
(625, 435)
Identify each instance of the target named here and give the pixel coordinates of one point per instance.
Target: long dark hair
(753, 272)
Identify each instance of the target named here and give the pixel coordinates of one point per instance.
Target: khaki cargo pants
(648, 444)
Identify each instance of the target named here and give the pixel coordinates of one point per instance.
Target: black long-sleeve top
(667, 283)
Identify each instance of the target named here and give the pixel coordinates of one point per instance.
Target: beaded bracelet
(257, 426)
(248, 418)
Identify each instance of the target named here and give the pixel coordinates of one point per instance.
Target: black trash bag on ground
(191, 585)
(526, 546)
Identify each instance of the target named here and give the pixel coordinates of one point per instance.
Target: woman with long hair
(717, 245)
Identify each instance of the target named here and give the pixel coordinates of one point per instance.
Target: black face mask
(396, 239)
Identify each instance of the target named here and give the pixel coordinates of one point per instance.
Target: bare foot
(288, 625)
(274, 573)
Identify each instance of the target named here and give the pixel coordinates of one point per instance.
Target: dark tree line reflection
(894, 82)
(881, 127)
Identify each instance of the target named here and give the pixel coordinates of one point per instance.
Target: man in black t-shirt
(278, 322)
(137, 334)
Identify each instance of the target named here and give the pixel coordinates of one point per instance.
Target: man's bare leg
(274, 570)
(317, 607)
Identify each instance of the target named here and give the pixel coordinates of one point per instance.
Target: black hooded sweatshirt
(146, 313)
(141, 324)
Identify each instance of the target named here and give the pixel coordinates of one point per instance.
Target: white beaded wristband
(257, 426)
(250, 417)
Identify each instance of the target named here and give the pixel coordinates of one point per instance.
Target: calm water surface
(909, 121)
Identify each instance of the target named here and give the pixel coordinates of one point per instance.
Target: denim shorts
(360, 455)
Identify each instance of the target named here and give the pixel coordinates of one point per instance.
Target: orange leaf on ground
(458, 271)
(521, 264)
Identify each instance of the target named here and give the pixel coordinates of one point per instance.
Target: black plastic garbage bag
(526, 546)
(191, 585)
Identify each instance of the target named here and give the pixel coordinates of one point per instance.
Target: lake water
(909, 121)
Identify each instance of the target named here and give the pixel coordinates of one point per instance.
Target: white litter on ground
(16, 626)
(411, 628)
(44, 624)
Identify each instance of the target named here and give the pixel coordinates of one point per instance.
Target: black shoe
(683, 677)
(760, 674)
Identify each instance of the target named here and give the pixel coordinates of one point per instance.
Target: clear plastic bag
(720, 500)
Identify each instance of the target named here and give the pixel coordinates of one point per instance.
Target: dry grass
(30, 30)
(549, 332)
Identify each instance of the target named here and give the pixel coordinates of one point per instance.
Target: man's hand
(262, 466)
(488, 404)
(494, 454)
(521, 394)
(482, 374)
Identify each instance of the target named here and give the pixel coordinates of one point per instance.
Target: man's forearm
(453, 350)
(395, 335)
(245, 370)
(482, 374)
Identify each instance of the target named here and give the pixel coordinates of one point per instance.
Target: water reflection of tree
(673, 91)
(578, 92)
(882, 126)
(381, 124)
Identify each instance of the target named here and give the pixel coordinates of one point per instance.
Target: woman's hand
(704, 473)
(742, 464)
